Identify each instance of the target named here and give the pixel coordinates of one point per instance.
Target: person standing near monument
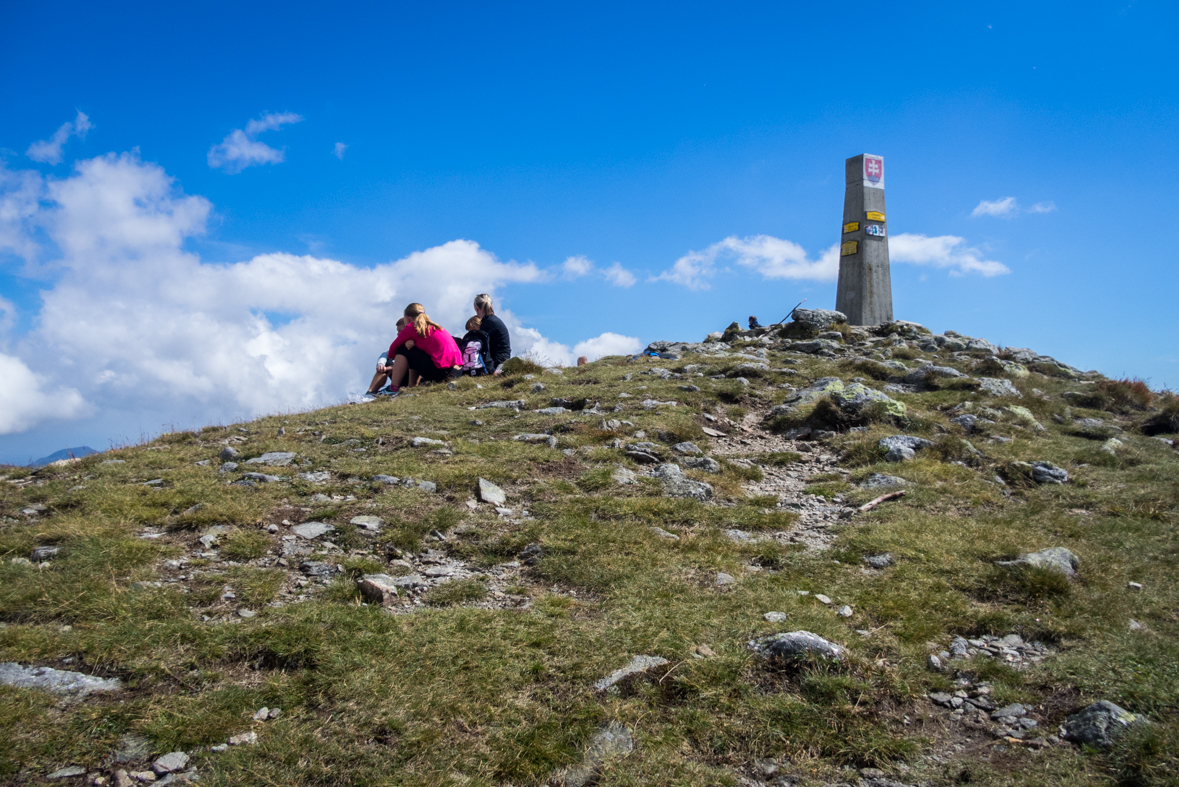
(497, 333)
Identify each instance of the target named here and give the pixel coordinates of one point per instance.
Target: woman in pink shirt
(431, 354)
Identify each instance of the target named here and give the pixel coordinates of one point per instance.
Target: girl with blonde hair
(497, 333)
(423, 350)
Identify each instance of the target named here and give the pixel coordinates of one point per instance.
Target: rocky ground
(810, 554)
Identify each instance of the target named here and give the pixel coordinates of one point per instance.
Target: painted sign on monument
(865, 284)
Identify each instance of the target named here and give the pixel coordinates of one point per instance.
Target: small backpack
(474, 349)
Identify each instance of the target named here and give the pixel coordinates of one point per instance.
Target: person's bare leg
(400, 370)
(378, 379)
(415, 379)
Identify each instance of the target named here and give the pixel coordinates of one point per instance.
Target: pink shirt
(439, 345)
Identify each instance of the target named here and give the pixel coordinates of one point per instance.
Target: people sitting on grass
(423, 350)
(500, 349)
(384, 368)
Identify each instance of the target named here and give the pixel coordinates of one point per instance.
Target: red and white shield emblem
(873, 169)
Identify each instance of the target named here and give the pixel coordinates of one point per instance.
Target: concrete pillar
(865, 286)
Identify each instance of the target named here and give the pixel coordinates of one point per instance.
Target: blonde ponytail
(421, 321)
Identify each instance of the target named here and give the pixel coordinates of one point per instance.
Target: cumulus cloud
(580, 265)
(48, 151)
(1005, 208)
(240, 149)
(338, 151)
(943, 251)
(619, 276)
(25, 399)
(551, 353)
(136, 322)
(576, 267)
(772, 258)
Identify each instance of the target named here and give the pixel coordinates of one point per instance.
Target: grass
(467, 689)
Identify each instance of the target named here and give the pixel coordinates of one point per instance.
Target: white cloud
(25, 400)
(580, 265)
(138, 323)
(338, 151)
(943, 251)
(619, 276)
(20, 195)
(772, 258)
(240, 149)
(551, 353)
(576, 267)
(48, 151)
(1043, 207)
(1005, 208)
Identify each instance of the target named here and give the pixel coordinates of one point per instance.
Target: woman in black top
(501, 344)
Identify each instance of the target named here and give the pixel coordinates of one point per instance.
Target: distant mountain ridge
(65, 453)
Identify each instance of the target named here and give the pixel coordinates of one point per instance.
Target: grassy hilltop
(472, 656)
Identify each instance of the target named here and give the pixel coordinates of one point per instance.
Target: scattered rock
(817, 319)
(367, 522)
(378, 588)
(41, 554)
(664, 534)
(775, 617)
(611, 743)
(702, 463)
(68, 772)
(426, 442)
(675, 484)
(880, 561)
(1044, 473)
(882, 481)
(74, 684)
(516, 404)
(1100, 724)
(272, 459)
(687, 449)
(312, 530)
(635, 668)
(795, 645)
(490, 493)
(855, 398)
(845, 611)
(385, 479)
(547, 439)
(998, 386)
(1056, 559)
(724, 580)
(170, 763)
(244, 739)
(228, 454)
(623, 476)
(261, 478)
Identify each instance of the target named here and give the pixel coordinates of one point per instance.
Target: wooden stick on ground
(882, 499)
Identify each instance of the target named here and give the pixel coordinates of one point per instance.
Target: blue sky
(185, 251)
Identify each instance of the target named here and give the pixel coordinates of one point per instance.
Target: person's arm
(405, 333)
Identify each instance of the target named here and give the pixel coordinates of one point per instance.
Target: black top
(501, 344)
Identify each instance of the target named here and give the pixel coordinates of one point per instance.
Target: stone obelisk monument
(865, 287)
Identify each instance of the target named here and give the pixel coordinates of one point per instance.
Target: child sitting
(474, 346)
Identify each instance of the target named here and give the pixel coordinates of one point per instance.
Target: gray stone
(318, 477)
(997, 386)
(880, 561)
(812, 393)
(982, 345)
(796, 645)
(904, 441)
(636, 667)
(1013, 711)
(676, 484)
(516, 404)
(623, 476)
(924, 374)
(610, 744)
(900, 454)
(316, 568)
(381, 478)
(537, 387)
(551, 411)
(367, 522)
(651, 404)
(490, 493)
(775, 617)
(970, 423)
(244, 739)
(312, 530)
(845, 611)
(74, 684)
(228, 467)
(1056, 559)
(261, 478)
(704, 463)
(664, 534)
(41, 554)
(170, 763)
(882, 481)
(425, 442)
(547, 439)
(131, 747)
(934, 663)
(378, 588)
(227, 454)
(273, 459)
(822, 599)
(856, 397)
(1045, 473)
(68, 772)
(724, 580)
(410, 581)
(817, 319)
(687, 449)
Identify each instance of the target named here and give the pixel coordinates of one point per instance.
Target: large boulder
(1100, 724)
(998, 386)
(1057, 559)
(855, 398)
(796, 645)
(817, 319)
(676, 484)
